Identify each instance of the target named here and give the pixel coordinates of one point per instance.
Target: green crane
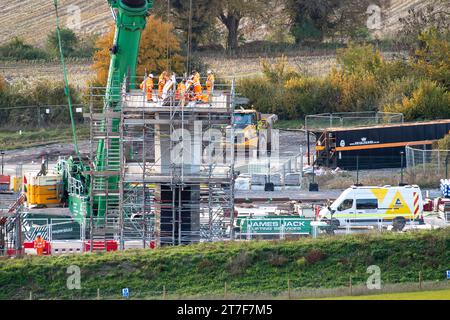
(130, 20)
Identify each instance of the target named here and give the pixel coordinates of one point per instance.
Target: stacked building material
(445, 187)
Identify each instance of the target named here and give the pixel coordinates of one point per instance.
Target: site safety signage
(281, 225)
(448, 274)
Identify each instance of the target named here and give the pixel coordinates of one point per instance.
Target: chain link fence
(428, 163)
(290, 288)
(351, 119)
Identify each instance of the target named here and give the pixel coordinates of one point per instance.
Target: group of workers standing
(188, 90)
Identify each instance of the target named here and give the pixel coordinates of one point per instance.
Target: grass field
(10, 140)
(421, 295)
(253, 268)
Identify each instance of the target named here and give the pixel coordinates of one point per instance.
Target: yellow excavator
(253, 130)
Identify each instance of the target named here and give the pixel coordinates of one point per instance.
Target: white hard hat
(39, 234)
(151, 75)
(209, 71)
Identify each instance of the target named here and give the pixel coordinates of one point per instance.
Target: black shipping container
(375, 147)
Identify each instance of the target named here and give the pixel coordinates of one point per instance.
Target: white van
(365, 206)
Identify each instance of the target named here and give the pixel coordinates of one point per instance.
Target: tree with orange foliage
(2, 84)
(158, 39)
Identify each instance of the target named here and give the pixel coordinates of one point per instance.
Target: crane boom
(130, 20)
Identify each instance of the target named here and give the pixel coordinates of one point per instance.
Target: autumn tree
(102, 57)
(432, 57)
(159, 50)
(200, 17)
(2, 84)
(435, 14)
(310, 19)
(231, 13)
(316, 20)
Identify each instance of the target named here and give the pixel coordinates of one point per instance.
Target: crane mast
(130, 20)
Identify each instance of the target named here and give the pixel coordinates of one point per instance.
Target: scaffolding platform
(166, 177)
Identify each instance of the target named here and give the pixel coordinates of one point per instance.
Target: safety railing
(428, 163)
(351, 119)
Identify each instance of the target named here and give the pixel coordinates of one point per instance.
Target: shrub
(69, 42)
(278, 72)
(43, 92)
(301, 262)
(360, 59)
(357, 91)
(17, 49)
(260, 92)
(276, 260)
(309, 95)
(363, 81)
(239, 263)
(315, 255)
(380, 254)
(428, 101)
(396, 90)
(432, 58)
(444, 143)
(393, 71)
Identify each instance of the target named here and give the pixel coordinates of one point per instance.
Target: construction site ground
(291, 144)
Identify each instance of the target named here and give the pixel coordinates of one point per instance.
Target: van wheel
(335, 223)
(398, 224)
(332, 225)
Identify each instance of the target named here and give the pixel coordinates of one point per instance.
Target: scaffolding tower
(175, 165)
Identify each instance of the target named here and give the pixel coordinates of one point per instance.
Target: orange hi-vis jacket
(198, 93)
(148, 86)
(196, 77)
(210, 83)
(161, 83)
(39, 245)
(181, 91)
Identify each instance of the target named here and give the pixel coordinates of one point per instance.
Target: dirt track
(290, 143)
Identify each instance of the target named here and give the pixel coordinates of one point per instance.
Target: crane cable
(189, 49)
(66, 83)
(169, 64)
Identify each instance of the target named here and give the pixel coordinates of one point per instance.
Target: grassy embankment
(248, 268)
(30, 138)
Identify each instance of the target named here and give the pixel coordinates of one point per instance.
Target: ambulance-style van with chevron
(365, 206)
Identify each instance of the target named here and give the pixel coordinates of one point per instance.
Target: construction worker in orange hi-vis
(147, 86)
(190, 89)
(196, 76)
(39, 245)
(198, 90)
(181, 92)
(163, 78)
(210, 82)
